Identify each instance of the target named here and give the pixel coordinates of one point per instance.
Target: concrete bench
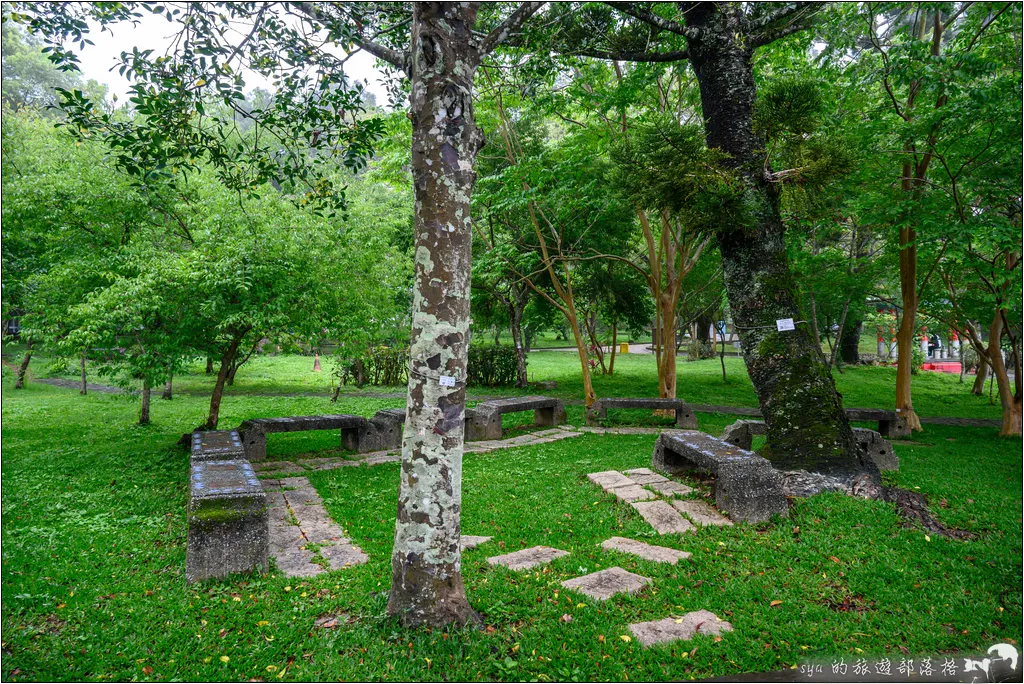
(870, 443)
(890, 424)
(383, 432)
(484, 421)
(685, 417)
(254, 432)
(228, 521)
(216, 445)
(745, 484)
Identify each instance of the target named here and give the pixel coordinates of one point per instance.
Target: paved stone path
(527, 558)
(469, 541)
(673, 629)
(303, 537)
(604, 584)
(662, 517)
(700, 512)
(658, 554)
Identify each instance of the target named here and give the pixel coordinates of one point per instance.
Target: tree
(807, 427)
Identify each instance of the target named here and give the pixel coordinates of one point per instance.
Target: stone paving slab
(604, 584)
(470, 541)
(527, 558)
(662, 517)
(327, 463)
(386, 458)
(630, 493)
(675, 629)
(297, 519)
(277, 467)
(658, 554)
(701, 513)
(670, 489)
(645, 476)
(610, 478)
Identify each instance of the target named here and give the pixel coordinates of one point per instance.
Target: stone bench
(870, 443)
(746, 486)
(890, 424)
(254, 432)
(685, 417)
(383, 432)
(484, 421)
(228, 521)
(217, 445)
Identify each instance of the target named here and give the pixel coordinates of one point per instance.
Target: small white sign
(447, 381)
(785, 324)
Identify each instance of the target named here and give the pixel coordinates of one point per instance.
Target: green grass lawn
(699, 382)
(94, 552)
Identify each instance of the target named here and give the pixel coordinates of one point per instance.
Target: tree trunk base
(437, 604)
(1011, 420)
(913, 421)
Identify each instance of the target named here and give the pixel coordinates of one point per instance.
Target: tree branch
(392, 57)
(506, 28)
(653, 19)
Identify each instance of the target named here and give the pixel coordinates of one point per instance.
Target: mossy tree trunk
(144, 407)
(168, 388)
(83, 388)
(426, 562)
(807, 427)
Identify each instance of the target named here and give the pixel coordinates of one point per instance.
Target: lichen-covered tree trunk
(23, 367)
(218, 387)
(807, 427)
(426, 563)
(168, 388)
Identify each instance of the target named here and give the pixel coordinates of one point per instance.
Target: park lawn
(94, 552)
(699, 382)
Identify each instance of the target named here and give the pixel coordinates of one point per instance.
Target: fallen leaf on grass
(326, 622)
(775, 603)
(834, 559)
(625, 638)
(566, 618)
(147, 670)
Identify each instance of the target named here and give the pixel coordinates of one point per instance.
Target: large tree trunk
(23, 368)
(144, 408)
(84, 386)
(667, 343)
(426, 584)
(218, 387)
(906, 336)
(807, 427)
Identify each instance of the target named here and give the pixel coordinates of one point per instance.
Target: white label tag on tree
(447, 381)
(785, 324)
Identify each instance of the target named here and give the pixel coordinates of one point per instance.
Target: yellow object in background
(624, 349)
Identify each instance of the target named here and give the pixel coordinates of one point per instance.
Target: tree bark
(515, 314)
(807, 427)
(83, 388)
(168, 388)
(209, 365)
(144, 408)
(426, 586)
(23, 368)
(849, 343)
(218, 387)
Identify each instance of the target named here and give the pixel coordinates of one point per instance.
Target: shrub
(700, 349)
(971, 360)
(916, 360)
(491, 366)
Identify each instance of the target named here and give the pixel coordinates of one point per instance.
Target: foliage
(491, 366)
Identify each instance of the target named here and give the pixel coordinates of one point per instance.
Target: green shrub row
(388, 366)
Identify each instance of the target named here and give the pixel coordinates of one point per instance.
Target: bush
(700, 349)
(971, 360)
(916, 360)
(382, 365)
(491, 366)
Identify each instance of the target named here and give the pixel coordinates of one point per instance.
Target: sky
(154, 32)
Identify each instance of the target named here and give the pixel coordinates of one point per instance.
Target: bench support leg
(550, 417)
(686, 419)
(350, 439)
(893, 429)
(255, 445)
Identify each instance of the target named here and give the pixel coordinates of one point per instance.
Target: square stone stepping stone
(527, 558)
(277, 467)
(673, 629)
(629, 493)
(669, 488)
(610, 478)
(470, 541)
(700, 512)
(604, 584)
(662, 517)
(645, 476)
(658, 554)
